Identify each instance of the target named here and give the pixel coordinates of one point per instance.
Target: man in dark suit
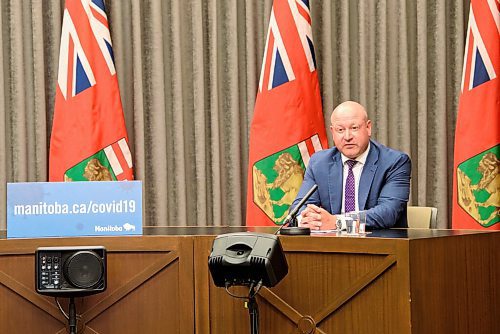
(357, 174)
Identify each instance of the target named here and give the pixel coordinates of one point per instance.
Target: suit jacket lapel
(367, 175)
(335, 183)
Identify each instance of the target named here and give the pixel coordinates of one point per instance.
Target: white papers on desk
(323, 231)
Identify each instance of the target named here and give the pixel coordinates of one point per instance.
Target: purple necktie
(349, 194)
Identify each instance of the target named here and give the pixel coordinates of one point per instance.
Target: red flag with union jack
(287, 125)
(89, 139)
(476, 172)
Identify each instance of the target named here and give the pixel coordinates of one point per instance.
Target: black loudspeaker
(70, 271)
(247, 258)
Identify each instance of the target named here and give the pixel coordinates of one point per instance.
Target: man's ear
(369, 127)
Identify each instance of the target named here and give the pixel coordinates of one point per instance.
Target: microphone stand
(290, 225)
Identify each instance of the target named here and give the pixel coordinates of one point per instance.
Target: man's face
(351, 131)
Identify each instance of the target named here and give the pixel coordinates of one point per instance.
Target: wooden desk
(395, 281)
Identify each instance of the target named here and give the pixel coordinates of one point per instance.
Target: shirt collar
(361, 159)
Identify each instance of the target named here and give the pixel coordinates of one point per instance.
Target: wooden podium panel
(149, 288)
(414, 282)
(455, 284)
(334, 285)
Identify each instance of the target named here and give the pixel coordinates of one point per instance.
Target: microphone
(290, 225)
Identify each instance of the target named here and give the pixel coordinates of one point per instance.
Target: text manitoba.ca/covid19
(43, 208)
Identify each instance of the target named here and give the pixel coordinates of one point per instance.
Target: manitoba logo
(478, 186)
(277, 178)
(109, 164)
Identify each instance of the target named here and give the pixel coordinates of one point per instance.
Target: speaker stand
(253, 311)
(72, 316)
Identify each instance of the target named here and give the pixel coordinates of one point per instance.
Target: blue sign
(67, 209)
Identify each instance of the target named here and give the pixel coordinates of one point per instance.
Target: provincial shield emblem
(478, 186)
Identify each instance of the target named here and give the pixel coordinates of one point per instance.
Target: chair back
(421, 216)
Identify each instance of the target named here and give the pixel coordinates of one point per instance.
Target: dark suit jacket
(384, 186)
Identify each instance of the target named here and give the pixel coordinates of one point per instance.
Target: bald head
(351, 129)
(349, 108)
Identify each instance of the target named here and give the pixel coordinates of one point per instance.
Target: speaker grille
(83, 269)
(215, 261)
(258, 262)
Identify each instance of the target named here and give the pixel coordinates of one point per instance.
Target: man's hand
(317, 218)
